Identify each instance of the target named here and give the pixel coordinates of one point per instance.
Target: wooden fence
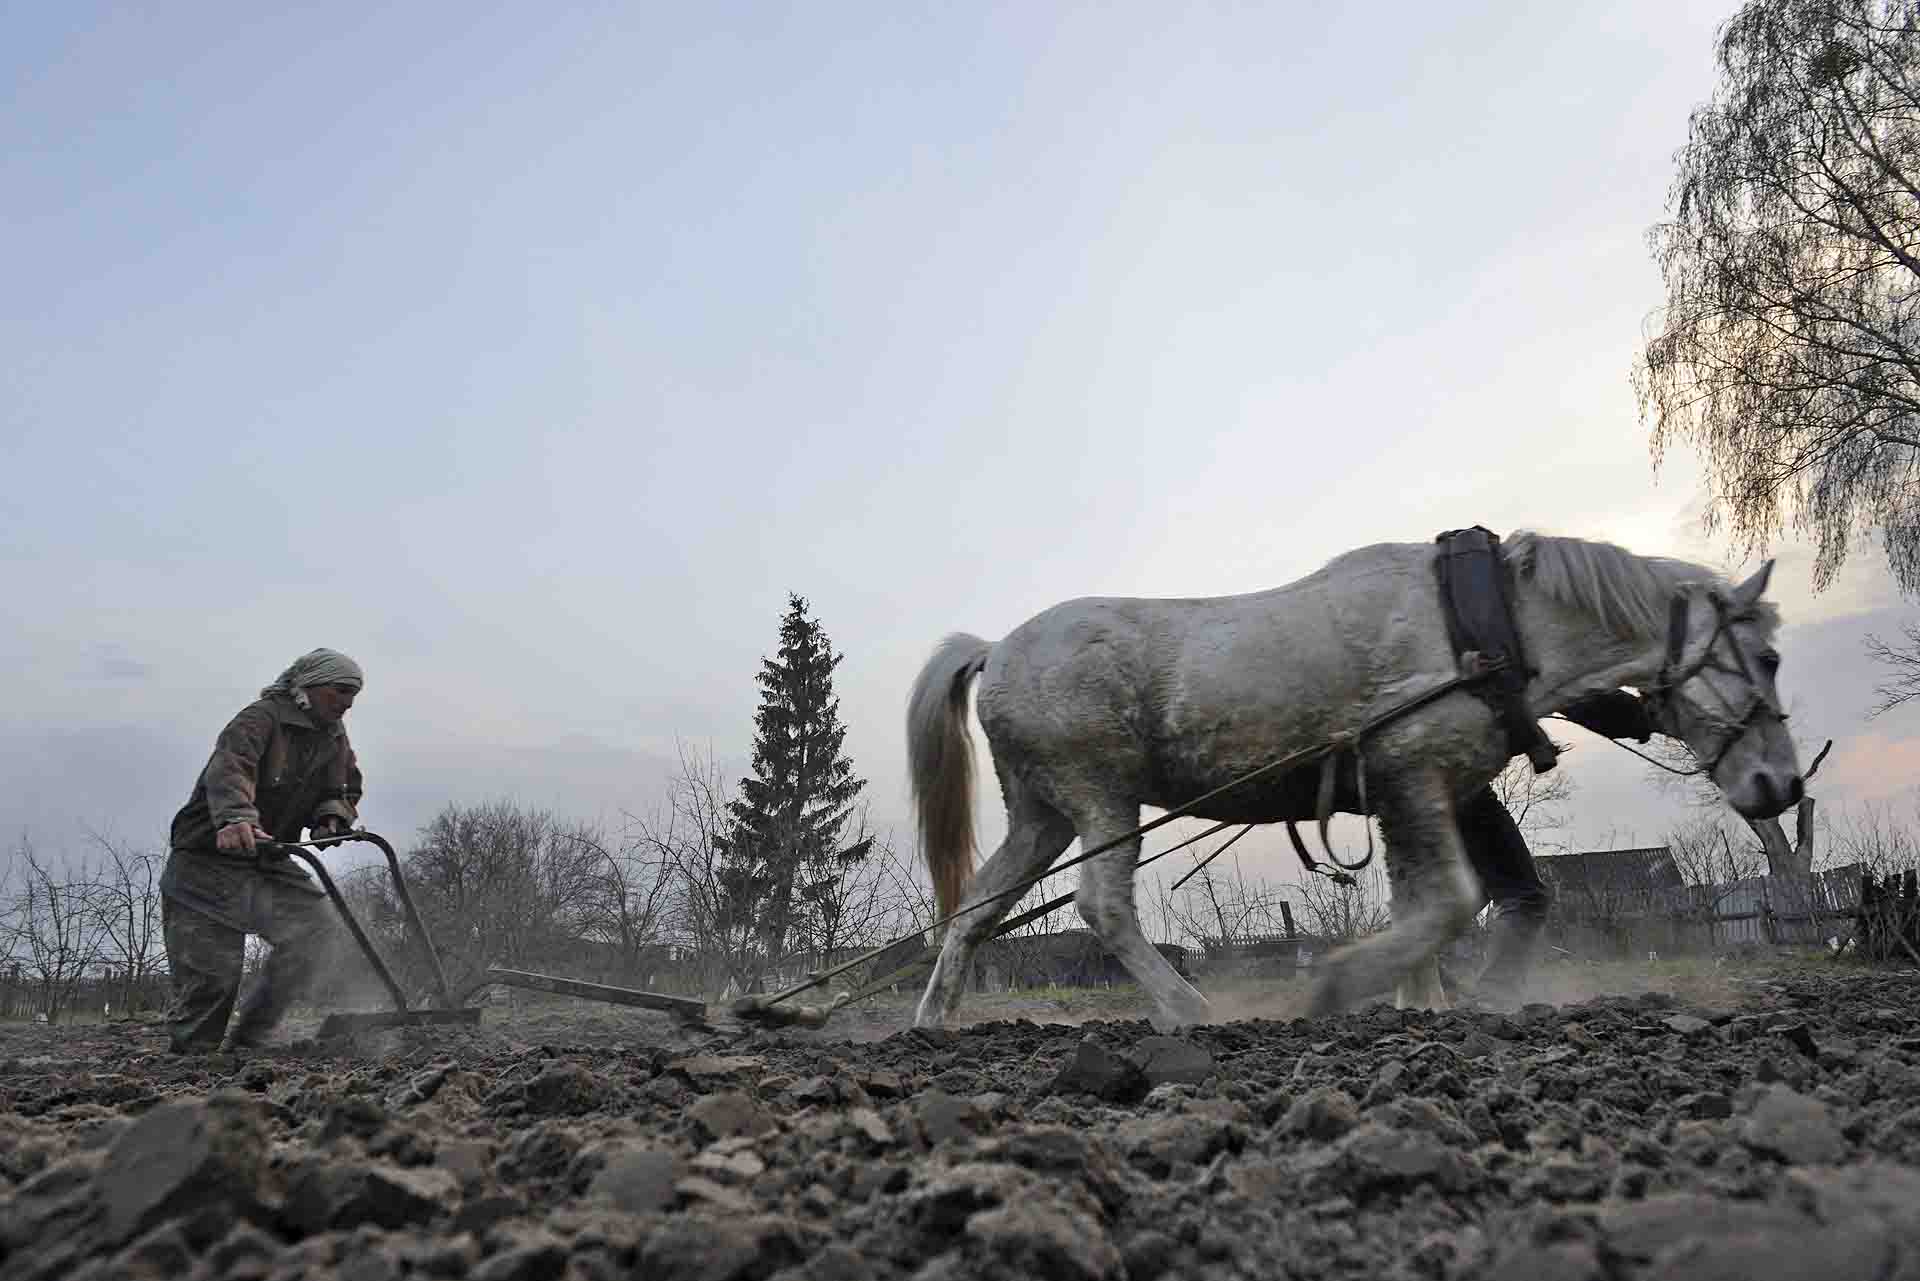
(1889, 919)
(1692, 919)
(93, 998)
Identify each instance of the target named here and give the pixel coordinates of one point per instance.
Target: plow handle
(417, 926)
(346, 914)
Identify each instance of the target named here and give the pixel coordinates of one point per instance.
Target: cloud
(110, 662)
(1871, 767)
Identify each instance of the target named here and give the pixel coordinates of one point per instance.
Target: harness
(1674, 673)
(1476, 595)
(1476, 598)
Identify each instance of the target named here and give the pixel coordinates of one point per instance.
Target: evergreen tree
(784, 861)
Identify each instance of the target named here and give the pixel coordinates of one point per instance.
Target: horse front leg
(1435, 897)
(1422, 990)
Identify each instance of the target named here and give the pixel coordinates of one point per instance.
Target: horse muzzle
(1764, 797)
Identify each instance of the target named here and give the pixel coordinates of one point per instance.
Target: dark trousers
(205, 955)
(1500, 858)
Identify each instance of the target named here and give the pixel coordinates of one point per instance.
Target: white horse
(1098, 706)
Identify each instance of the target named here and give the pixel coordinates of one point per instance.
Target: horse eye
(1770, 663)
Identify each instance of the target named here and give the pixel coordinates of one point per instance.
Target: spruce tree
(783, 856)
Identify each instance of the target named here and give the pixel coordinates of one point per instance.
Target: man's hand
(241, 837)
(1614, 714)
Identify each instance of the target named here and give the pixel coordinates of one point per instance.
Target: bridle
(1734, 722)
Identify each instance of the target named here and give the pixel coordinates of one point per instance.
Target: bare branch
(53, 928)
(1788, 351)
(1902, 683)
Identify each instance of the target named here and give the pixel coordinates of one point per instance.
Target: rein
(1658, 764)
(1673, 676)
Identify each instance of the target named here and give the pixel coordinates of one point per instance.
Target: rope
(1291, 759)
(1227, 844)
(920, 966)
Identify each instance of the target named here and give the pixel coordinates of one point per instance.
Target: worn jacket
(274, 766)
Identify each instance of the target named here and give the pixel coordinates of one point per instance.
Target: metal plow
(910, 957)
(779, 1010)
(337, 1025)
(688, 1010)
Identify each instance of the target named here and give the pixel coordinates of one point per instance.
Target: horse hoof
(1325, 1000)
(1168, 1024)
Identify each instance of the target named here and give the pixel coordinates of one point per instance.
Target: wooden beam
(685, 1006)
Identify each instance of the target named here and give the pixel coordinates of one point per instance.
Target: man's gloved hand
(1614, 714)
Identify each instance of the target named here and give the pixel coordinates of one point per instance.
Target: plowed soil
(1772, 1132)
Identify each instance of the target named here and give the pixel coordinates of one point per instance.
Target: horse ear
(1748, 594)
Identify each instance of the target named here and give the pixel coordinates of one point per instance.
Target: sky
(533, 354)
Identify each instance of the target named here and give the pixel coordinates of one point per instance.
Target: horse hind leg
(1106, 903)
(1036, 835)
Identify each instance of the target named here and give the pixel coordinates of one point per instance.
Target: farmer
(281, 765)
(1500, 857)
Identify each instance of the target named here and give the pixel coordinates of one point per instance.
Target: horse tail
(940, 762)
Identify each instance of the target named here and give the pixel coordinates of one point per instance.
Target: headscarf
(317, 667)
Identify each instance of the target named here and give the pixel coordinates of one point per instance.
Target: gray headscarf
(318, 667)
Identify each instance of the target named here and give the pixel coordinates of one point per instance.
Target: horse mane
(1626, 593)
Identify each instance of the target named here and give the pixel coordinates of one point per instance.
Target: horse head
(1715, 691)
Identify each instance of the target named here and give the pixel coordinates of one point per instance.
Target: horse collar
(1476, 598)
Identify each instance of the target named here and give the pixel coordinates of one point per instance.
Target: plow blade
(348, 1024)
(685, 1007)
